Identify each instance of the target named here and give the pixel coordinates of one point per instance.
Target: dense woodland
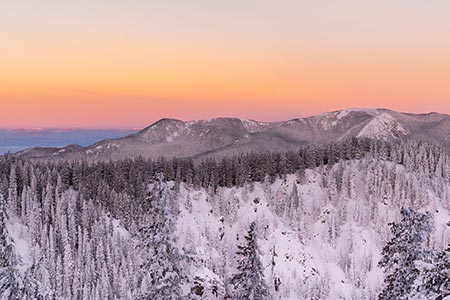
(72, 211)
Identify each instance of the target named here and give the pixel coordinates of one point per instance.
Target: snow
(301, 255)
(441, 226)
(292, 261)
(383, 126)
(345, 112)
(119, 230)
(21, 240)
(254, 126)
(208, 225)
(170, 137)
(331, 119)
(112, 145)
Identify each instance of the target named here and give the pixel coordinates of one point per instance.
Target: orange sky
(118, 63)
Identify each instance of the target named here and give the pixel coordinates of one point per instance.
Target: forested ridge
(107, 230)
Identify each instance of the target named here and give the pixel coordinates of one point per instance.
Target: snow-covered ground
(21, 239)
(330, 250)
(321, 235)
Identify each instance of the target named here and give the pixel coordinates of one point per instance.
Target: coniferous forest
(238, 227)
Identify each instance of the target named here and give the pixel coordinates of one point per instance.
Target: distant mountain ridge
(227, 136)
(19, 139)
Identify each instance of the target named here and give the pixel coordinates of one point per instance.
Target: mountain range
(228, 136)
(13, 140)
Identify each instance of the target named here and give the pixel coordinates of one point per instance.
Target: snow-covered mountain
(225, 136)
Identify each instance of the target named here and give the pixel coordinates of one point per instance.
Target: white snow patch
(254, 126)
(21, 240)
(119, 230)
(345, 112)
(170, 138)
(383, 126)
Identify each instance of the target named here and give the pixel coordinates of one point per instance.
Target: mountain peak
(383, 126)
(163, 122)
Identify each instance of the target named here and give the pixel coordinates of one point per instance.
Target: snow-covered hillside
(319, 242)
(115, 231)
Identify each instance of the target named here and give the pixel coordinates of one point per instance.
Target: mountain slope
(225, 136)
(321, 235)
(326, 248)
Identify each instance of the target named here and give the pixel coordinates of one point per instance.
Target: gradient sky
(115, 63)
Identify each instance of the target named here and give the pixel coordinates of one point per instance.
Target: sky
(126, 64)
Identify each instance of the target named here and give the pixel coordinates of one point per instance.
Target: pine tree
(11, 284)
(435, 278)
(401, 254)
(162, 266)
(352, 183)
(12, 190)
(249, 283)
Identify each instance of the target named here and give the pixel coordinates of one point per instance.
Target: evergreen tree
(162, 266)
(435, 281)
(11, 284)
(12, 190)
(249, 283)
(401, 254)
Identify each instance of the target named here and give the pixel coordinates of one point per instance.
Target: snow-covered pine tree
(352, 183)
(249, 283)
(11, 284)
(162, 266)
(401, 253)
(435, 278)
(441, 276)
(12, 190)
